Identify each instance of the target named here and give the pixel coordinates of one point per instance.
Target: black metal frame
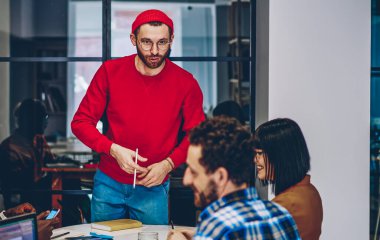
(375, 71)
(252, 77)
(102, 59)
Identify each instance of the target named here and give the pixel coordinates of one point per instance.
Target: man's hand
(157, 173)
(125, 159)
(43, 215)
(182, 234)
(45, 227)
(20, 209)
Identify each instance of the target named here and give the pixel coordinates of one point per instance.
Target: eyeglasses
(258, 153)
(147, 45)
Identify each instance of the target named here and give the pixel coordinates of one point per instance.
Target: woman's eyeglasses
(258, 153)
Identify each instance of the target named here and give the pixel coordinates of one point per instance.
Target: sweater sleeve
(89, 113)
(193, 114)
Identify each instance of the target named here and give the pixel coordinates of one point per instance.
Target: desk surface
(73, 149)
(71, 145)
(131, 234)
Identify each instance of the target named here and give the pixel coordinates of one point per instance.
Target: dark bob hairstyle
(285, 152)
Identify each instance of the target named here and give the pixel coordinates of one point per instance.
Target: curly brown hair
(225, 143)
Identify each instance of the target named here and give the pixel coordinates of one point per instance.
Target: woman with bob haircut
(282, 159)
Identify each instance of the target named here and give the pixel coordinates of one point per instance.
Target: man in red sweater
(147, 100)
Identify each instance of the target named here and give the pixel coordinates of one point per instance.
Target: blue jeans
(114, 200)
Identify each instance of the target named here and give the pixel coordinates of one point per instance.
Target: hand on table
(183, 234)
(125, 159)
(156, 174)
(20, 209)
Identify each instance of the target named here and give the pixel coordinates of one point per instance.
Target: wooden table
(61, 173)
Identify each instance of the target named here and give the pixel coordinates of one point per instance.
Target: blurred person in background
(23, 154)
(230, 108)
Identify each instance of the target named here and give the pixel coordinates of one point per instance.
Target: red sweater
(143, 112)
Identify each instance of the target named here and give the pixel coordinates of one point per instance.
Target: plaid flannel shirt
(242, 215)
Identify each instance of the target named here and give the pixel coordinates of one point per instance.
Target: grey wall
(319, 74)
(4, 69)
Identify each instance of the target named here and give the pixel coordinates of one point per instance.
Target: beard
(204, 198)
(153, 61)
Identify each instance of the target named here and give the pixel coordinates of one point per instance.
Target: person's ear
(221, 177)
(171, 39)
(133, 39)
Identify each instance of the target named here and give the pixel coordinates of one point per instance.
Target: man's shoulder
(5, 142)
(11, 141)
(179, 71)
(274, 219)
(228, 217)
(240, 219)
(15, 147)
(244, 213)
(119, 61)
(252, 210)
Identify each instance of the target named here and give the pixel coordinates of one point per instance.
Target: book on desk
(118, 224)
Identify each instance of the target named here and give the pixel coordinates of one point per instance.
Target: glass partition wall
(55, 47)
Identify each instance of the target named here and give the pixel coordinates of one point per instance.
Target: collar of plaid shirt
(241, 195)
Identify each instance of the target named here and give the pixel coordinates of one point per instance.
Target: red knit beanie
(152, 15)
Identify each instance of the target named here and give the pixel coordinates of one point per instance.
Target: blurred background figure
(23, 154)
(231, 109)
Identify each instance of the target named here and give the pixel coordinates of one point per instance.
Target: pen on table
(171, 223)
(60, 235)
(134, 174)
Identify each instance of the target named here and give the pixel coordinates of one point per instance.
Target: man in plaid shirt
(219, 165)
